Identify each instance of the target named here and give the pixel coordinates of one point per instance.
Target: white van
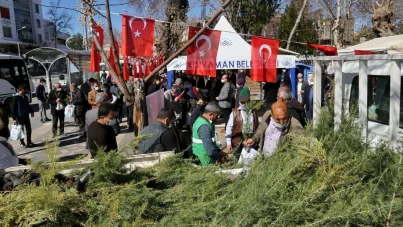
(371, 84)
(13, 72)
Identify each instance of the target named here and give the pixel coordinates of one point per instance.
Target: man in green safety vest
(203, 136)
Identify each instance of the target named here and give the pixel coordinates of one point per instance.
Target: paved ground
(69, 146)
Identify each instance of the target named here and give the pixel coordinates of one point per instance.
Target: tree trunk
(296, 25)
(184, 47)
(119, 81)
(110, 30)
(336, 26)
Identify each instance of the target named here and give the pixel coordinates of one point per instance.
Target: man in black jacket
(20, 110)
(158, 135)
(295, 108)
(43, 98)
(57, 101)
(78, 100)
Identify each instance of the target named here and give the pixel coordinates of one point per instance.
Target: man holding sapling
(275, 128)
(203, 136)
(242, 121)
(295, 108)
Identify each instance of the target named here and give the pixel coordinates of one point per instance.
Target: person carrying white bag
(57, 101)
(20, 111)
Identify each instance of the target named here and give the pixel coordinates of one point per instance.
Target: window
(5, 13)
(7, 32)
(38, 23)
(378, 99)
(36, 8)
(47, 36)
(39, 38)
(5, 73)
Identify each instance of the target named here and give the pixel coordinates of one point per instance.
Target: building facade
(22, 20)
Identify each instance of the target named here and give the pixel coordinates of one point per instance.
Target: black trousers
(58, 116)
(81, 124)
(25, 123)
(130, 116)
(226, 112)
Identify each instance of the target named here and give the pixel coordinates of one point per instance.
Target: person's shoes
(23, 145)
(30, 145)
(43, 121)
(47, 119)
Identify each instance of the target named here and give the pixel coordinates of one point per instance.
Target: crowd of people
(193, 106)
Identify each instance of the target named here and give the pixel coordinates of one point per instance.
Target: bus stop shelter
(59, 65)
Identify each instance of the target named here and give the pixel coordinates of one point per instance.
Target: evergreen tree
(306, 30)
(176, 13)
(251, 16)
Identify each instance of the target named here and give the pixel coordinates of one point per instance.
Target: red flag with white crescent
(264, 59)
(202, 54)
(363, 52)
(111, 58)
(327, 50)
(140, 69)
(137, 36)
(95, 59)
(126, 69)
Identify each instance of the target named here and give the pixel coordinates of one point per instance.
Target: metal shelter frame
(51, 55)
(395, 87)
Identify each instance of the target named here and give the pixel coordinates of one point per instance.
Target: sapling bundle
(325, 177)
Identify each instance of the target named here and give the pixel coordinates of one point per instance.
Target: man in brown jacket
(276, 127)
(241, 122)
(92, 95)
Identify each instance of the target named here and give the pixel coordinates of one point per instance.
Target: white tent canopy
(391, 44)
(234, 52)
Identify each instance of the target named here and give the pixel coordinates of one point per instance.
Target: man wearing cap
(204, 146)
(241, 121)
(241, 89)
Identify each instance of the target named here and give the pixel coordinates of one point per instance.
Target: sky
(116, 19)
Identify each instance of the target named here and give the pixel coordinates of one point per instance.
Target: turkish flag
(111, 58)
(137, 36)
(202, 54)
(327, 50)
(363, 52)
(135, 74)
(140, 69)
(95, 57)
(264, 59)
(126, 69)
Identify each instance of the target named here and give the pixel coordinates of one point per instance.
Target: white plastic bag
(69, 111)
(16, 133)
(247, 157)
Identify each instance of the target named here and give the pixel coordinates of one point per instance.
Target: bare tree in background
(338, 12)
(296, 24)
(384, 14)
(60, 19)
